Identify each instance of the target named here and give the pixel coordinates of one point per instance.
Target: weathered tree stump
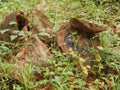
(32, 49)
(80, 35)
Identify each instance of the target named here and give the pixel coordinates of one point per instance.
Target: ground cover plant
(67, 72)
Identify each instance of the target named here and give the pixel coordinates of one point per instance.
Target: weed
(62, 72)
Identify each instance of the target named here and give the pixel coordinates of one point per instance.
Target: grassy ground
(62, 73)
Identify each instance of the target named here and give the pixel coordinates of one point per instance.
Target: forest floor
(90, 59)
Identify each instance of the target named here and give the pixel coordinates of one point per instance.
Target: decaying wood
(84, 39)
(42, 48)
(40, 22)
(61, 38)
(85, 26)
(11, 17)
(35, 53)
(33, 49)
(20, 21)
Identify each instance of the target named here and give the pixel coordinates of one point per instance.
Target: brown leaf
(100, 87)
(21, 55)
(47, 87)
(72, 79)
(25, 29)
(117, 31)
(108, 82)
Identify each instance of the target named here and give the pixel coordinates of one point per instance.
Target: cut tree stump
(80, 35)
(14, 21)
(32, 50)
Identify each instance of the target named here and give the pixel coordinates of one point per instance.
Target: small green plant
(6, 71)
(104, 75)
(27, 75)
(4, 50)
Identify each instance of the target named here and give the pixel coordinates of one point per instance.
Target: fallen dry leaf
(100, 47)
(46, 87)
(108, 82)
(117, 31)
(21, 55)
(72, 79)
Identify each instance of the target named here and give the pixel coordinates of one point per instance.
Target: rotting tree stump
(31, 50)
(79, 35)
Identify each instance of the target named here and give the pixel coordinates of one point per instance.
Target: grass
(105, 75)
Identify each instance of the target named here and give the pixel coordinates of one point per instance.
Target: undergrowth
(63, 73)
